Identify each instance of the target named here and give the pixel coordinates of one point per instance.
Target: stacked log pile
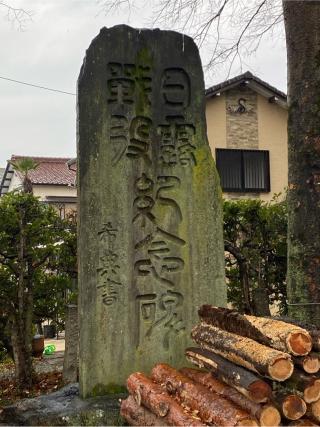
(252, 353)
(254, 371)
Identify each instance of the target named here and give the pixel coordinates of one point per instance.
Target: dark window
(243, 170)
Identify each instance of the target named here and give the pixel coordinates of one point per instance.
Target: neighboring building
(247, 132)
(53, 181)
(2, 170)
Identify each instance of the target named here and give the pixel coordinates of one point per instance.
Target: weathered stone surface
(150, 218)
(64, 408)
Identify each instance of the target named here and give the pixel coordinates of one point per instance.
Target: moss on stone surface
(107, 389)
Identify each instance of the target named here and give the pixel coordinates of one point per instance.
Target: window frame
(243, 189)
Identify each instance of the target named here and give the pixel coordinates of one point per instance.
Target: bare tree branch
(229, 30)
(18, 17)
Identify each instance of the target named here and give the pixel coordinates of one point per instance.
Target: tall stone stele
(150, 216)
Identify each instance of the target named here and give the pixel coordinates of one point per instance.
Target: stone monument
(150, 216)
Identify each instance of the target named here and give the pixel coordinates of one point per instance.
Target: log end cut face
(260, 391)
(281, 369)
(311, 364)
(315, 409)
(270, 417)
(299, 343)
(312, 393)
(294, 407)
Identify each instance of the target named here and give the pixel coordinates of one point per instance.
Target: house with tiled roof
(53, 181)
(247, 133)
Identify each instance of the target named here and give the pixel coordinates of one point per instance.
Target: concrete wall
(262, 127)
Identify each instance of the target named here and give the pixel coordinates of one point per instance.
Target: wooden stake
(211, 407)
(244, 351)
(267, 415)
(235, 376)
(268, 331)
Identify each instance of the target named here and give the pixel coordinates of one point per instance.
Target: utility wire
(37, 86)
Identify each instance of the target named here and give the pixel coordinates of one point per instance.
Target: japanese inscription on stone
(147, 258)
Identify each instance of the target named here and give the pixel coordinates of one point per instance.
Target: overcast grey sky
(50, 53)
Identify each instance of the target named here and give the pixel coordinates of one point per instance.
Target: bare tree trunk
(22, 321)
(261, 300)
(302, 25)
(71, 354)
(243, 275)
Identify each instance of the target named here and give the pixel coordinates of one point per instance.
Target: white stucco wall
(43, 191)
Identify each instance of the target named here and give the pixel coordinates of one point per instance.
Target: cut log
(235, 376)
(158, 401)
(314, 411)
(309, 363)
(211, 407)
(292, 406)
(313, 330)
(244, 351)
(150, 394)
(267, 415)
(302, 422)
(268, 331)
(308, 385)
(137, 415)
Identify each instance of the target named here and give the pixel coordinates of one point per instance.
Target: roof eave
(272, 94)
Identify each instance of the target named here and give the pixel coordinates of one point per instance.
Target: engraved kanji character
(119, 130)
(140, 139)
(168, 155)
(108, 262)
(144, 201)
(120, 89)
(169, 183)
(185, 142)
(175, 88)
(108, 232)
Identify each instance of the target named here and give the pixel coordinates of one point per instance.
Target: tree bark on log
(267, 415)
(309, 363)
(292, 406)
(235, 376)
(271, 332)
(308, 385)
(244, 351)
(158, 401)
(150, 394)
(137, 415)
(211, 407)
(302, 27)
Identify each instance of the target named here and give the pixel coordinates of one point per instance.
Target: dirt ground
(48, 379)
(45, 364)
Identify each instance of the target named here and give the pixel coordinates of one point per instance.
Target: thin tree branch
(18, 17)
